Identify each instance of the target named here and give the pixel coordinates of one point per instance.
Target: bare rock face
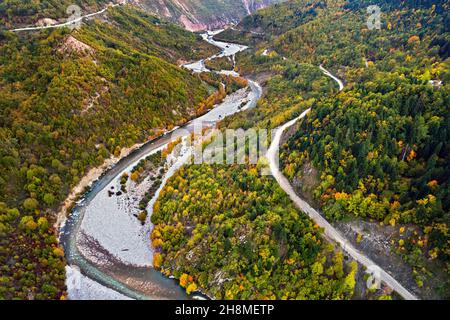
(46, 22)
(200, 15)
(73, 46)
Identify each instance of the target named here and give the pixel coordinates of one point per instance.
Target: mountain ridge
(191, 14)
(211, 14)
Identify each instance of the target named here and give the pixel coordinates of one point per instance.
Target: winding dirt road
(330, 232)
(65, 24)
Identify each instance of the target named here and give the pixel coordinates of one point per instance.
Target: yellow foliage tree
(135, 176)
(183, 280)
(157, 260)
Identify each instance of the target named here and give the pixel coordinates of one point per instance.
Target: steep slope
(207, 14)
(194, 15)
(379, 150)
(70, 100)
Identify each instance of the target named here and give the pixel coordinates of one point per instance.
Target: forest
(378, 150)
(235, 235)
(15, 13)
(70, 100)
(290, 88)
(381, 146)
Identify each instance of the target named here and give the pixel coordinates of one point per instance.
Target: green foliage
(291, 87)
(64, 110)
(382, 144)
(205, 12)
(239, 237)
(13, 12)
(222, 63)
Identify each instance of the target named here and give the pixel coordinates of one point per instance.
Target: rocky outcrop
(72, 45)
(205, 14)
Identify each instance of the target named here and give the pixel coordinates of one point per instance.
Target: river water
(108, 250)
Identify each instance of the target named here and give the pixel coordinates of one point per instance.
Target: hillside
(201, 15)
(15, 13)
(378, 151)
(236, 235)
(192, 14)
(374, 156)
(71, 100)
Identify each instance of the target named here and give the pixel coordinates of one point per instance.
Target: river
(108, 250)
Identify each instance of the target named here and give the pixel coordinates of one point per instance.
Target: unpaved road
(123, 275)
(330, 232)
(67, 23)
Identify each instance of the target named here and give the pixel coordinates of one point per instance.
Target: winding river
(107, 249)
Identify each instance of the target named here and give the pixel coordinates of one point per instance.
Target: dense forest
(229, 232)
(70, 100)
(204, 14)
(25, 12)
(381, 146)
(378, 150)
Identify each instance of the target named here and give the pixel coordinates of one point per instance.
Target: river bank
(330, 232)
(104, 242)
